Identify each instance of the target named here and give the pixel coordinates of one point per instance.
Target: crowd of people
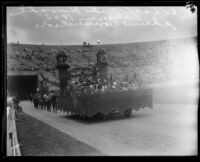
(100, 86)
(44, 101)
(48, 101)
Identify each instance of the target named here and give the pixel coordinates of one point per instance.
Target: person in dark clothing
(41, 102)
(44, 104)
(35, 101)
(53, 102)
(48, 102)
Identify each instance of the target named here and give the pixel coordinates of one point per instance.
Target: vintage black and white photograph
(102, 80)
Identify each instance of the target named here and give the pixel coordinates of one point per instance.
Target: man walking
(35, 101)
(53, 102)
(48, 102)
(41, 102)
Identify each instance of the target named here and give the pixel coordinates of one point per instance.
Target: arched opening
(22, 84)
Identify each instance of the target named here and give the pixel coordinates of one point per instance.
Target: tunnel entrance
(22, 84)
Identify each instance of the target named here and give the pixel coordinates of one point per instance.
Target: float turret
(101, 65)
(63, 71)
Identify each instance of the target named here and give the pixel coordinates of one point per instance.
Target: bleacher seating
(156, 61)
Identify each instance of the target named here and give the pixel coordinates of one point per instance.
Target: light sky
(74, 25)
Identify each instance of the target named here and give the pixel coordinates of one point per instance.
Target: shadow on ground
(100, 119)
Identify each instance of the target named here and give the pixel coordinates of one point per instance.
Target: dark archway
(22, 84)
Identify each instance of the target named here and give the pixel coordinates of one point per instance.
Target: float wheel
(127, 112)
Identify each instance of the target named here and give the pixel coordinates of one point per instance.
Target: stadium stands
(153, 62)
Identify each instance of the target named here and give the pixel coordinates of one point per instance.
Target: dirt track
(163, 130)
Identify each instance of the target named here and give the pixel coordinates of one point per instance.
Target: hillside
(149, 62)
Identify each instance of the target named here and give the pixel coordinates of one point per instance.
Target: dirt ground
(167, 129)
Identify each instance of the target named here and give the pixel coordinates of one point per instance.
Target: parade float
(93, 93)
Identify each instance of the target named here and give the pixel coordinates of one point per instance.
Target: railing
(13, 146)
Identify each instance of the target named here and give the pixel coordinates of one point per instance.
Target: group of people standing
(106, 86)
(44, 101)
